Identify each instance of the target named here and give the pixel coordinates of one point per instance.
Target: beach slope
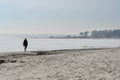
(73, 64)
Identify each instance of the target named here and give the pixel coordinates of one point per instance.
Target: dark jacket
(25, 43)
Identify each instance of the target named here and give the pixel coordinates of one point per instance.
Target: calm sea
(14, 43)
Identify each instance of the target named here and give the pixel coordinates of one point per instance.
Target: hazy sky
(58, 16)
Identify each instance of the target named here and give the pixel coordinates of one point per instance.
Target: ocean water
(15, 43)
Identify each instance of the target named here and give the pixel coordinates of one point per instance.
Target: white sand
(92, 64)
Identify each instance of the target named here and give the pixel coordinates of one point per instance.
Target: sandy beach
(73, 64)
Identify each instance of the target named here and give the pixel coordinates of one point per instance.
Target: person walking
(25, 44)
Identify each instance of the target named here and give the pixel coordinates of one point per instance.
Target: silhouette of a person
(25, 44)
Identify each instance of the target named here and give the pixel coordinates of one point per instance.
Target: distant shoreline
(79, 38)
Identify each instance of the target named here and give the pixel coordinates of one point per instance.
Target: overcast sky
(58, 16)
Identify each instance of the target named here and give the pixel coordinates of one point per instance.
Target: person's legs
(25, 48)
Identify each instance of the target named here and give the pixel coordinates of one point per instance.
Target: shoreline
(67, 64)
(7, 52)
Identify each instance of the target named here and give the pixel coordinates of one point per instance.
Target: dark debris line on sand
(35, 53)
(2, 61)
(11, 58)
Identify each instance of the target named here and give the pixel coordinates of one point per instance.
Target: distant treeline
(93, 34)
(101, 34)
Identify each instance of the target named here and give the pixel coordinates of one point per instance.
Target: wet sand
(73, 64)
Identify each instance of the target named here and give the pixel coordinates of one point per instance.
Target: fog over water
(15, 43)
